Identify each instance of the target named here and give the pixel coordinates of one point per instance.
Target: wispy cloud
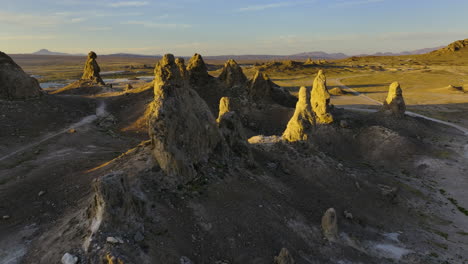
(33, 20)
(355, 3)
(129, 4)
(96, 28)
(271, 5)
(27, 37)
(157, 25)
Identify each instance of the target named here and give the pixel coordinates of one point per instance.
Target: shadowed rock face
(302, 121)
(394, 103)
(320, 100)
(232, 74)
(15, 84)
(91, 70)
(260, 87)
(182, 129)
(232, 130)
(183, 70)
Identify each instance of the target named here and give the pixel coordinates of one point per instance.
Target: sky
(226, 27)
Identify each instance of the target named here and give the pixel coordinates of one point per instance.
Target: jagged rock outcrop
(302, 121)
(182, 129)
(232, 130)
(336, 91)
(320, 100)
(92, 70)
(15, 84)
(394, 103)
(453, 47)
(197, 71)
(232, 74)
(309, 61)
(262, 89)
(284, 257)
(330, 225)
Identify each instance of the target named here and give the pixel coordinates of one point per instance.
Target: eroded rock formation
(92, 70)
(330, 225)
(232, 74)
(302, 121)
(224, 107)
(394, 103)
(15, 84)
(320, 100)
(182, 129)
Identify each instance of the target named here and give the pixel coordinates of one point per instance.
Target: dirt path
(100, 112)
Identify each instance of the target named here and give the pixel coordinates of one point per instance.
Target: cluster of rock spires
(394, 103)
(310, 110)
(262, 89)
(232, 74)
(15, 84)
(309, 61)
(182, 129)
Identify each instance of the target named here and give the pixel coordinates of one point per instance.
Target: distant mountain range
(299, 56)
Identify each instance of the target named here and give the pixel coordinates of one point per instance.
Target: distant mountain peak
(48, 52)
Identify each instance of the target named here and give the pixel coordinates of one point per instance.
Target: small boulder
(330, 225)
(284, 257)
(114, 240)
(394, 103)
(69, 259)
(320, 100)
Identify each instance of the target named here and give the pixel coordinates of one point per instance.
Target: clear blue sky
(213, 27)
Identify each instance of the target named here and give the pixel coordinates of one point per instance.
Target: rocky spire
(197, 71)
(232, 74)
(302, 121)
(320, 100)
(15, 84)
(260, 87)
(91, 70)
(394, 103)
(182, 129)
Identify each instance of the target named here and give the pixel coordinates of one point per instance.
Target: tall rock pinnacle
(394, 103)
(91, 70)
(320, 99)
(302, 121)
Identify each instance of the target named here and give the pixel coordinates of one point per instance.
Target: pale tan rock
(302, 121)
(182, 129)
(284, 257)
(394, 103)
(232, 74)
(92, 70)
(330, 225)
(224, 107)
(15, 84)
(320, 100)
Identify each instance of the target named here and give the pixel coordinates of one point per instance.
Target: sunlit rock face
(232, 74)
(224, 107)
(182, 129)
(15, 84)
(394, 103)
(320, 99)
(91, 70)
(302, 121)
